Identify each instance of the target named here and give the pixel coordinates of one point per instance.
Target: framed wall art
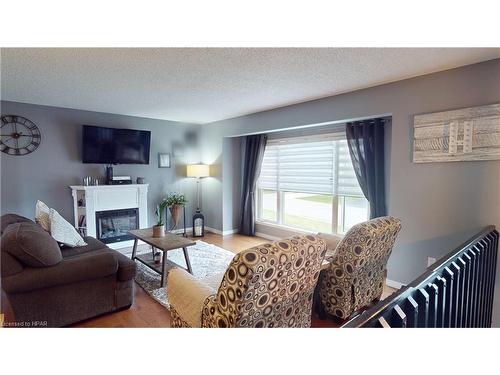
(163, 160)
(466, 134)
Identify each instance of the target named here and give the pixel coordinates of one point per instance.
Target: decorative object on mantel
(163, 160)
(121, 180)
(90, 181)
(141, 180)
(159, 228)
(198, 171)
(19, 136)
(466, 134)
(175, 202)
(109, 174)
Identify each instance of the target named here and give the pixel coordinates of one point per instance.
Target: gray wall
(46, 173)
(440, 204)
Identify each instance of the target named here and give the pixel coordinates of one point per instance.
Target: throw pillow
(42, 212)
(31, 245)
(64, 232)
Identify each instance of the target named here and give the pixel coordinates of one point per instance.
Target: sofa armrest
(332, 241)
(71, 270)
(187, 295)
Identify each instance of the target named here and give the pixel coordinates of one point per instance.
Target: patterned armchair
(269, 285)
(356, 275)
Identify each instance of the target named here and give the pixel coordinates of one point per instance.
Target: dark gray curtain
(366, 146)
(254, 153)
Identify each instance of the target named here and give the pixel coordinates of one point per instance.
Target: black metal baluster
(398, 318)
(495, 252)
(491, 269)
(477, 306)
(484, 283)
(450, 287)
(472, 306)
(433, 292)
(467, 295)
(410, 308)
(461, 292)
(455, 307)
(422, 298)
(441, 284)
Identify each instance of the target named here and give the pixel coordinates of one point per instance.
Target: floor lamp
(198, 171)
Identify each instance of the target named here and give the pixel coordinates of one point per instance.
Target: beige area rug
(206, 260)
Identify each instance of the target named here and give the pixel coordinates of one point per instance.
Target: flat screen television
(115, 146)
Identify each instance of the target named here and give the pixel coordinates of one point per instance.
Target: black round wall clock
(18, 135)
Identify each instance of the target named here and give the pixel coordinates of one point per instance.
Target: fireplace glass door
(113, 226)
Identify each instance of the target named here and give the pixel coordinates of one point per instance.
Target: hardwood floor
(146, 312)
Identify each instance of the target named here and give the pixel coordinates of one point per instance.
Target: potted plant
(159, 228)
(174, 202)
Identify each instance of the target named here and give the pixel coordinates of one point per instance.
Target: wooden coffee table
(165, 244)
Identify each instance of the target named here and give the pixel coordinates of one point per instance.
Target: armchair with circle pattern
(356, 275)
(270, 285)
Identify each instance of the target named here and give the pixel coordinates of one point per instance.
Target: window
(309, 183)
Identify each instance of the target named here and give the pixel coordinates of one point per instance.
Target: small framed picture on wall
(163, 160)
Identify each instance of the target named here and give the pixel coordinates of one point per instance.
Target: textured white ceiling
(201, 85)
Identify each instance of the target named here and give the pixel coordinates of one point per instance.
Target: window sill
(284, 227)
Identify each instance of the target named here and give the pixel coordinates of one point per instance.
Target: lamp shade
(198, 170)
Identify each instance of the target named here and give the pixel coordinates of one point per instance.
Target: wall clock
(18, 135)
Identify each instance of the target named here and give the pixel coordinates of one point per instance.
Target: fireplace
(113, 225)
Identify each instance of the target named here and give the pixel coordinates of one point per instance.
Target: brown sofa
(49, 285)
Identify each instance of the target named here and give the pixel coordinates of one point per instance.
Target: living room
(249, 186)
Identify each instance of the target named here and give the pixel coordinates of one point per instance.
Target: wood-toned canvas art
(466, 134)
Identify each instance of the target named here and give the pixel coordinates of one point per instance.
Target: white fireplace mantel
(106, 198)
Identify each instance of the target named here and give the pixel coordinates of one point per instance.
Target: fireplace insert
(113, 226)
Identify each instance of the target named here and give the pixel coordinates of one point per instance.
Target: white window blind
(319, 165)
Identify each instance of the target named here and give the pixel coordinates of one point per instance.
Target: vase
(175, 212)
(159, 231)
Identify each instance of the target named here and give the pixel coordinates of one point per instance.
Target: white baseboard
(222, 233)
(267, 236)
(177, 231)
(394, 284)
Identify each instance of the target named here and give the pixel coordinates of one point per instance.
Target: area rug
(206, 260)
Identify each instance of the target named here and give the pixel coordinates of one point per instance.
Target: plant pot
(159, 231)
(175, 212)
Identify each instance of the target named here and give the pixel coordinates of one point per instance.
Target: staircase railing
(456, 291)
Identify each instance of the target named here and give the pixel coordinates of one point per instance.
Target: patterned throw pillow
(42, 212)
(64, 232)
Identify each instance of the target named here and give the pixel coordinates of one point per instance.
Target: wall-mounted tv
(115, 146)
